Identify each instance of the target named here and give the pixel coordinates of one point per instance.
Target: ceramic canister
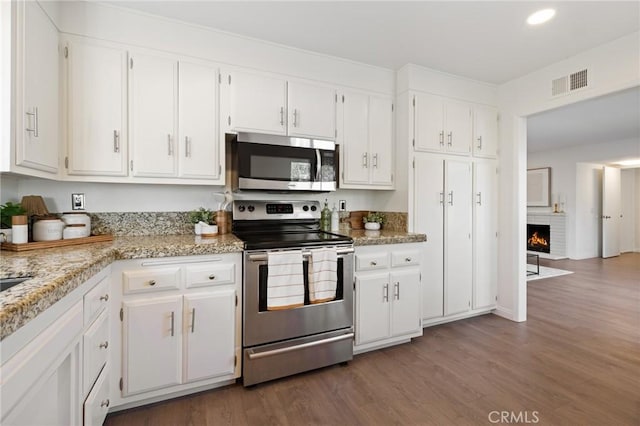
(70, 219)
(48, 230)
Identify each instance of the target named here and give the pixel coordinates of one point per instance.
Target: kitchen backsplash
(177, 223)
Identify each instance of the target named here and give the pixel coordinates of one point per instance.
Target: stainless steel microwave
(280, 163)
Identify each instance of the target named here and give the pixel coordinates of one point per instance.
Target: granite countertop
(57, 272)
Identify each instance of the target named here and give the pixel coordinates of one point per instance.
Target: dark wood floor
(576, 361)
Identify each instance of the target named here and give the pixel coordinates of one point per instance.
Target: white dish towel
(323, 274)
(285, 280)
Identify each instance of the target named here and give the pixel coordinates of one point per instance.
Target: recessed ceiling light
(629, 163)
(540, 16)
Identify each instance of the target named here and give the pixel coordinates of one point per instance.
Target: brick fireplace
(550, 227)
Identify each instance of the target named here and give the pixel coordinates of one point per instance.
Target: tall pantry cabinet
(453, 201)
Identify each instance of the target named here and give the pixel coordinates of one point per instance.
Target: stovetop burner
(281, 224)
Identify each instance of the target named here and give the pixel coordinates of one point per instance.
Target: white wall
(108, 197)
(573, 179)
(614, 66)
(637, 209)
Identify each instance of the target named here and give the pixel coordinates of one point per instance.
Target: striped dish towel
(323, 274)
(285, 280)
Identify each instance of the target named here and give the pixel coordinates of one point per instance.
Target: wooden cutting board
(57, 243)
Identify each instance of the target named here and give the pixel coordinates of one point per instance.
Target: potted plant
(373, 220)
(204, 221)
(7, 211)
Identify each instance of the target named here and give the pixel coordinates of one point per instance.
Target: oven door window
(262, 290)
(278, 163)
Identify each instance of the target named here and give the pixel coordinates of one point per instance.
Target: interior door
(611, 202)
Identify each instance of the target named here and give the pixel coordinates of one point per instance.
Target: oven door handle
(263, 257)
(254, 355)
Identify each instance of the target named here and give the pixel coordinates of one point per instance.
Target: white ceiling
(608, 118)
(486, 41)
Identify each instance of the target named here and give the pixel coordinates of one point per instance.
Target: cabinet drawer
(373, 261)
(97, 403)
(95, 301)
(142, 281)
(207, 275)
(405, 258)
(96, 351)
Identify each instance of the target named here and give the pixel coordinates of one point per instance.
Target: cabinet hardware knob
(105, 403)
(408, 259)
(104, 345)
(152, 282)
(373, 263)
(212, 277)
(105, 297)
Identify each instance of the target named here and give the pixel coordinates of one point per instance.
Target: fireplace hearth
(539, 238)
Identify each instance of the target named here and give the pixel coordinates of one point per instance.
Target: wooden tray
(56, 243)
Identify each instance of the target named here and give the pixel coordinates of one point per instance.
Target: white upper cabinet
(153, 101)
(96, 83)
(312, 110)
(365, 136)
(485, 131)
(263, 103)
(37, 89)
(258, 103)
(199, 156)
(441, 124)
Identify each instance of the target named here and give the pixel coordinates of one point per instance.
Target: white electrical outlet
(77, 201)
(343, 205)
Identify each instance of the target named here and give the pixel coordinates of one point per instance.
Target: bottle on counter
(335, 219)
(325, 217)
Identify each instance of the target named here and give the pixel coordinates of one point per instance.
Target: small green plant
(7, 211)
(376, 217)
(202, 215)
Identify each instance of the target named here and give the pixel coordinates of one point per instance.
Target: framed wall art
(539, 187)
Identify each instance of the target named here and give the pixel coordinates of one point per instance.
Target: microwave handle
(318, 166)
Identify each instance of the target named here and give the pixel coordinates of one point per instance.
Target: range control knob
(241, 208)
(251, 208)
(314, 208)
(305, 208)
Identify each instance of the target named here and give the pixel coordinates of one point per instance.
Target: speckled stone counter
(371, 238)
(57, 272)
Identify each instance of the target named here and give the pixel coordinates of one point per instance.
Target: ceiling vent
(570, 83)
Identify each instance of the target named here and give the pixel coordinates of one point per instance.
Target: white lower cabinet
(49, 365)
(97, 403)
(179, 327)
(151, 326)
(387, 295)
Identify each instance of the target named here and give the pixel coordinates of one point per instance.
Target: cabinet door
(485, 131)
(354, 138)
(381, 140)
(153, 103)
(372, 308)
(96, 109)
(312, 111)
(37, 94)
(209, 334)
(458, 249)
(404, 291)
(152, 344)
(198, 149)
(428, 219)
(258, 103)
(458, 127)
(485, 240)
(428, 123)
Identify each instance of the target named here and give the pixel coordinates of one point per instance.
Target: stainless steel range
(278, 343)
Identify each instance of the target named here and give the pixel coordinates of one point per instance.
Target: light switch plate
(77, 201)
